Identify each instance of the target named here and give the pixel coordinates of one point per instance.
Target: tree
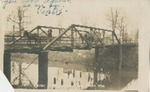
(20, 19)
(123, 36)
(117, 22)
(114, 19)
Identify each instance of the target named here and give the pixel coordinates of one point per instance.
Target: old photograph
(71, 45)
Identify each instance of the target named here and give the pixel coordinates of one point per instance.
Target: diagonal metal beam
(21, 37)
(82, 36)
(66, 34)
(97, 37)
(116, 37)
(33, 29)
(43, 31)
(54, 40)
(53, 28)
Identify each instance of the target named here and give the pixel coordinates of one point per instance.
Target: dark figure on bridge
(31, 37)
(88, 39)
(50, 34)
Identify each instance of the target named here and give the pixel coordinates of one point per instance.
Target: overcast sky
(85, 12)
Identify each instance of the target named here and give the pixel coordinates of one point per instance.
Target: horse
(31, 37)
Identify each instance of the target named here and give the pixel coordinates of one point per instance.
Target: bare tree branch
(117, 22)
(19, 18)
(12, 20)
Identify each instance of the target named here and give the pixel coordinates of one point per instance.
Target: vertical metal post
(14, 36)
(38, 35)
(103, 37)
(38, 31)
(59, 34)
(7, 65)
(13, 32)
(123, 37)
(43, 70)
(20, 73)
(112, 38)
(72, 37)
(96, 64)
(120, 63)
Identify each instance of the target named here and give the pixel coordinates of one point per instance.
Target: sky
(85, 12)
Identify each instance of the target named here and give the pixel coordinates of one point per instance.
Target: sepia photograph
(71, 45)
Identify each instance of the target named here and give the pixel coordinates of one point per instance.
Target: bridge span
(60, 39)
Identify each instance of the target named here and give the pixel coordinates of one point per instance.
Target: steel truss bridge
(60, 39)
(57, 39)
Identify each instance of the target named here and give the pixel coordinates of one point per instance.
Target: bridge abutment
(43, 70)
(97, 53)
(7, 65)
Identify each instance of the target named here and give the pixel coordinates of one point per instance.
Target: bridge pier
(7, 65)
(43, 70)
(97, 53)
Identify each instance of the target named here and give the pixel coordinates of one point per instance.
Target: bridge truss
(58, 39)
